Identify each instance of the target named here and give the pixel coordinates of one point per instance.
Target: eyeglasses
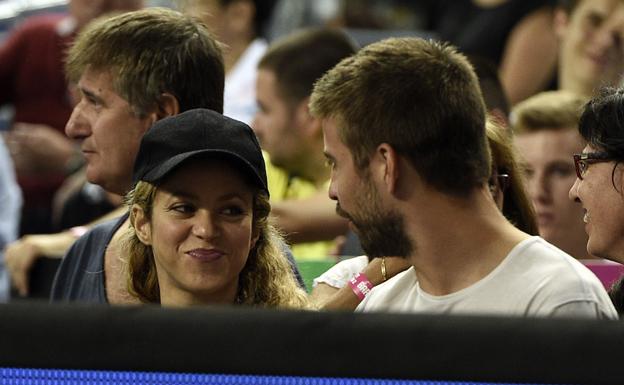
(583, 160)
(498, 182)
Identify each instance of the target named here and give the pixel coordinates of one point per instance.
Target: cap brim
(157, 174)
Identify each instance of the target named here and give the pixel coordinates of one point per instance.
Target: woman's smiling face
(201, 232)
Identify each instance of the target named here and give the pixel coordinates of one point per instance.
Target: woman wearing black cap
(199, 213)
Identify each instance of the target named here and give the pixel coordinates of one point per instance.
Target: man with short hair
(131, 70)
(33, 82)
(293, 139)
(590, 36)
(404, 132)
(546, 134)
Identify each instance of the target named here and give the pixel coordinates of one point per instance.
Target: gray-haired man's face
(109, 131)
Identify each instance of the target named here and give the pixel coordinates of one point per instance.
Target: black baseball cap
(198, 133)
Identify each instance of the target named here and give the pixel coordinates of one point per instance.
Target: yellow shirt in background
(284, 186)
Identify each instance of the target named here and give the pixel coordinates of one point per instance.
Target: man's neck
(459, 241)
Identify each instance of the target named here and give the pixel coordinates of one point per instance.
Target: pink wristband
(360, 285)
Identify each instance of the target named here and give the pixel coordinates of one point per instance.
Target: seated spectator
(507, 188)
(33, 81)
(545, 128)
(599, 174)
(509, 193)
(404, 133)
(506, 181)
(599, 181)
(590, 37)
(293, 140)
(239, 25)
(199, 218)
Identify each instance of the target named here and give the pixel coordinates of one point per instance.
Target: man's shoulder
(99, 235)
(81, 273)
(553, 278)
(535, 279)
(543, 259)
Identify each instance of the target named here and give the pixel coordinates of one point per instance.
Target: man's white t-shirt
(535, 279)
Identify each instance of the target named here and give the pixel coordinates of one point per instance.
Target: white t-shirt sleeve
(342, 272)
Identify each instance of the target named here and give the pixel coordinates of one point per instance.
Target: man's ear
(168, 105)
(142, 225)
(385, 163)
(310, 126)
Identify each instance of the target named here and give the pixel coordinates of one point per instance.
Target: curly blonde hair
(266, 280)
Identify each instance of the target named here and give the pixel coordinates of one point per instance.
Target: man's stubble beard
(381, 232)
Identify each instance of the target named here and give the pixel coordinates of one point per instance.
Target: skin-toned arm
(309, 220)
(330, 298)
(530, 57)
(20, 256)
(39, 148)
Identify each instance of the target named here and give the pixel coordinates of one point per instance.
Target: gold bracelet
(383, 269)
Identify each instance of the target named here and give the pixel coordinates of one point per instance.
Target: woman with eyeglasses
(599, 185)
(507, 180)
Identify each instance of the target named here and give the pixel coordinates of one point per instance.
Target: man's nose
(77, 126)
